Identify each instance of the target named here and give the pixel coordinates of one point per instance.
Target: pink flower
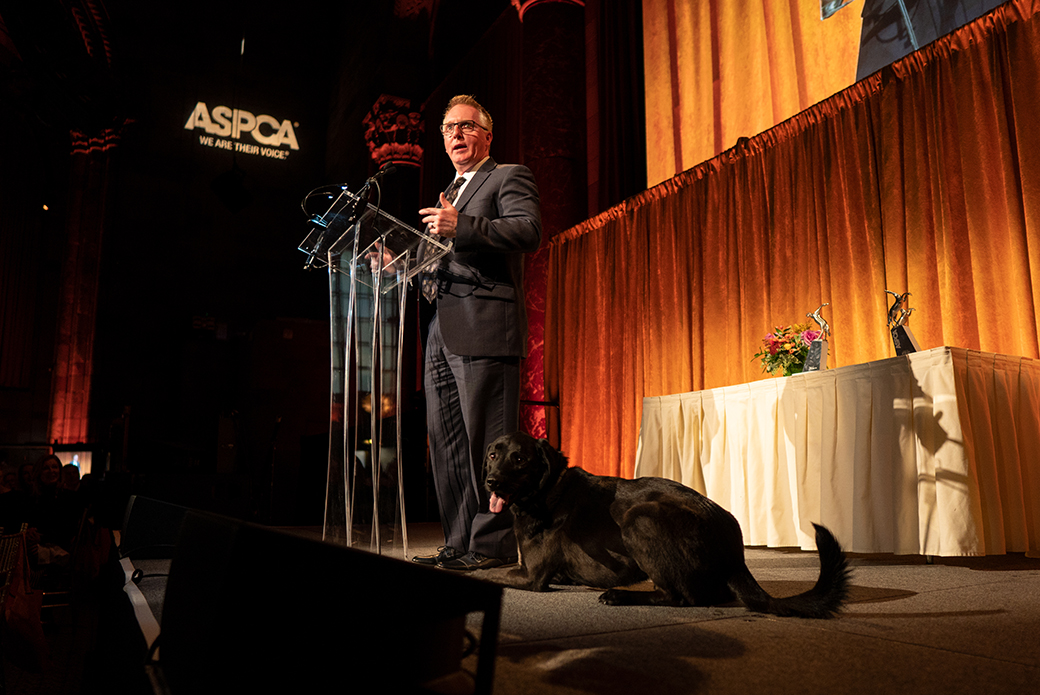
(772, 344)
(809, 336)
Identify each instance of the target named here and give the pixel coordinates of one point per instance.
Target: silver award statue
(817, 359)
(898, 315)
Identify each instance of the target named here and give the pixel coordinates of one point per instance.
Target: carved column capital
(394, 132)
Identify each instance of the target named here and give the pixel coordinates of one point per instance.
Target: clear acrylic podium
(364, 500)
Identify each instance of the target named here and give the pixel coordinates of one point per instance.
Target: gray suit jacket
(481, 303)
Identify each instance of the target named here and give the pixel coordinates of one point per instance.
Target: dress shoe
(444, 554)
(474, 561)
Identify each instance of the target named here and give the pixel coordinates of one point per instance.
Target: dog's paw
(613, 597)
(497, 574)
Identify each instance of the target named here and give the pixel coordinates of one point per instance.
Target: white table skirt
(936, 453)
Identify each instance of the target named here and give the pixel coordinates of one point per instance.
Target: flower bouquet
(784, 350)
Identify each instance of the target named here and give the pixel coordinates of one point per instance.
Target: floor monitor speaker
(254, 609)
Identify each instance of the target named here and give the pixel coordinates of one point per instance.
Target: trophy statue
(898, 315)
(817, 358)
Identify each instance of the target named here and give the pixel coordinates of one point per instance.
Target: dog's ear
(551, 452)
(545, 450)
(553, 458)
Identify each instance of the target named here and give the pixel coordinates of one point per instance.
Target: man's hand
(443, 220)
(381, 258)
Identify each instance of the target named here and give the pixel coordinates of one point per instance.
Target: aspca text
(226, 122)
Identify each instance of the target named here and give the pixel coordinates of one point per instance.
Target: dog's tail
(822, 601)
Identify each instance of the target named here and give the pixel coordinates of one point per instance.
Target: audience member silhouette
(25, 478)
(10, 481)
(70, 477)
(17, 503)
(52, 514)
(55, 512)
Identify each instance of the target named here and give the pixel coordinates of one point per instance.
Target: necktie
(429, 278)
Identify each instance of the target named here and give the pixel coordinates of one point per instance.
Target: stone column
(554, 147)
(87, 216)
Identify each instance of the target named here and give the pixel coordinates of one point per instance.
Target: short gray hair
(469, 100)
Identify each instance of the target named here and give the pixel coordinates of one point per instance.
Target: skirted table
(935, 453)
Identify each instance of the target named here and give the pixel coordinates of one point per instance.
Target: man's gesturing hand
(443, 220)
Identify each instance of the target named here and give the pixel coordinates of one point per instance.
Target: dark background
(211, 342)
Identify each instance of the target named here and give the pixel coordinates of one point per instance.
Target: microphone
(385, 171)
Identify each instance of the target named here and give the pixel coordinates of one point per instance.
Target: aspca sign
(224, 122)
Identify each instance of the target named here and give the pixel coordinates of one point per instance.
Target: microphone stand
(360, 200)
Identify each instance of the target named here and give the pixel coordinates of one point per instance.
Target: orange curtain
(960, 183)
(703, 61)
(923, 178)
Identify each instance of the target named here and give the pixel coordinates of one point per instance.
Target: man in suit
(478, 334)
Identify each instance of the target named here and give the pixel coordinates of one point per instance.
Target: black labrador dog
(600, 531)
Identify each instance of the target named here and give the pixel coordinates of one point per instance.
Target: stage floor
(960, 625)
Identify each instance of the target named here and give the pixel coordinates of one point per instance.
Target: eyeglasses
(466, 127)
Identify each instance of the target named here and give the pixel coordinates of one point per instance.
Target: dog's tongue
(497, 504)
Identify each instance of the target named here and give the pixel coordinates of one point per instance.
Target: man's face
(465, 149)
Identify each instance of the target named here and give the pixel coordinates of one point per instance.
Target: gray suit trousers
(470, 402)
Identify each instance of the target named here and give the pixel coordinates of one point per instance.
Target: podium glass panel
(364, 502)
(364, 506)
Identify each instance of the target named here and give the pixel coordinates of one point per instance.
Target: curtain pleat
(702, 60)
(921, 178)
